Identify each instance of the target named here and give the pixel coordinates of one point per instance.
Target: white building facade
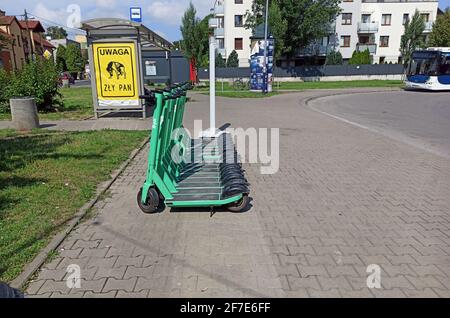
(231, 33)
(376, 25)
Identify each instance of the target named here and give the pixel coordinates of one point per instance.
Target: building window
(221, 43)
(346, 18)
(238, 21)
(345, 40)
(220, 23)
(238, 1)
(382, 59)
(384, 41)
(365, 18)
(425, 17)
(386, 19)
(347, 1)
(405, 18)
(238, 44)
(18, 41)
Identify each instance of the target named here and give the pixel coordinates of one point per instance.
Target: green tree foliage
(220, 61)
(4, 41)
(178, 45)
(233, 59)
(61, 58)
(334, 58)
(4, 82)
(360, 58)
(38, 78)
(195, 37)
(295, 23)
(74, 60)
(412, 38)
(56, 32)
(440, 36)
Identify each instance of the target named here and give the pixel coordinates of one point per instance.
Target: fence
(326, 72)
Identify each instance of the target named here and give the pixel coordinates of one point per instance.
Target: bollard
(24, 113)
(65, 83)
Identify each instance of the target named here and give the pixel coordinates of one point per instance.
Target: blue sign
(136, 15)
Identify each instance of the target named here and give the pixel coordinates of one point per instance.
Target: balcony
(222, 52)
(219, 32)
(219, 9)
(428, 27)
(360, 47)
(368, 27)
(315, 50)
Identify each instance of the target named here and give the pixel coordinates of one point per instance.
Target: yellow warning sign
(116, 74)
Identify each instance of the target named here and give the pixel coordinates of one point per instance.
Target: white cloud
(170, 12)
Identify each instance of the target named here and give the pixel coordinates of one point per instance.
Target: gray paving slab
(344, 198)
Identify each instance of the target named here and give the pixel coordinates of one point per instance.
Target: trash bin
(24, 113)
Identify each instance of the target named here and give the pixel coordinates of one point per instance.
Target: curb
(40, 259)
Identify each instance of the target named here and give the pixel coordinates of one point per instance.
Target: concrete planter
(24, 113)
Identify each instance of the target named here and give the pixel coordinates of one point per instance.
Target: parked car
(66, 76)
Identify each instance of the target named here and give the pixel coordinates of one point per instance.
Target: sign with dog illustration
(116, 74)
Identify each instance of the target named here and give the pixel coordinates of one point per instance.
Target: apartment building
(231, 33)
(376, 25)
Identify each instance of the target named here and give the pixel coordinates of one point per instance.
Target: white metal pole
(212, 84)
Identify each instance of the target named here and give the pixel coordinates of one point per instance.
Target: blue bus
(429, 69)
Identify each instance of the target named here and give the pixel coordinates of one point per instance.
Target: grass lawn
(77, 104)
(226, 88)
(45, 180)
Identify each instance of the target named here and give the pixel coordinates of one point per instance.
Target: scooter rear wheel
(239, 206)
(152, 204)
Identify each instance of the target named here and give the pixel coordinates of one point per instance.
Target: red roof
(44, 42)
(7, 20)
(32, 25)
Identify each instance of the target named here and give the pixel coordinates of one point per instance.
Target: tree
(74, 60)
(295, 23)
(178, 45)
(440, 36)
(233, 59)
(195, 37)
(56, 33)
(61, 58)
(412, 37)
(334, 58)
(220, 61)
(4, 41)
(360, 58)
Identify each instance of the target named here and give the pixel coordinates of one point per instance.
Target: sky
(161, 16)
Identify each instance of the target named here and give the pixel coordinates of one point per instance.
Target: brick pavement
(344, 198)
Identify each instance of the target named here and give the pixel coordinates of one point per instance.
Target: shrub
(334, 58)
(4, 81)
(233, 59)
(359, 58)
(38, 79)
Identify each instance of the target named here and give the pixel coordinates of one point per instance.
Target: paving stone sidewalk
(344, 198)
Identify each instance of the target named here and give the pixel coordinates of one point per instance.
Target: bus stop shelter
(115, 49)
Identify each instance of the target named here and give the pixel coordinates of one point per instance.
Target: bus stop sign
(116, 74)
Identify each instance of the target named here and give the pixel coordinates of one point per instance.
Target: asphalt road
(421, 119)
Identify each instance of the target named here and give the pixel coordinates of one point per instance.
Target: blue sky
(162, 16)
